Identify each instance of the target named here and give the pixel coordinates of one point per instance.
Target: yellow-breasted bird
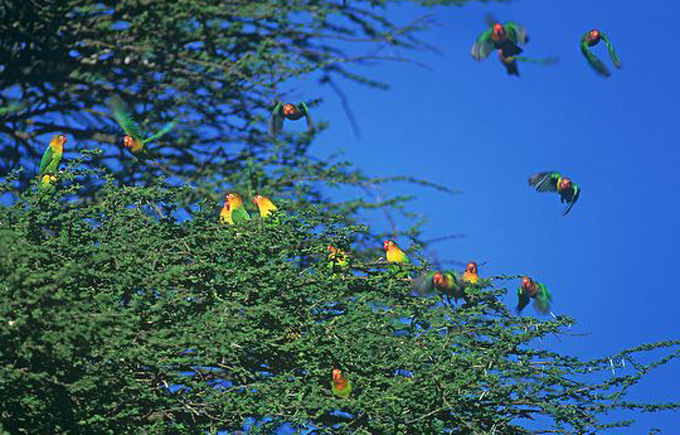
(470, 275)
(46, 180)
(233, 211)
(52, 155)
(340, 385)
(394, 253)
(264, 205)
(337, 258)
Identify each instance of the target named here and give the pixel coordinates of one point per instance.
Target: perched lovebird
(394, 253)
(551, 181)
(531, 289)
(289, 111)
(340, 385)
(52, 155)
(133, 140)
(446, 283)
(265, 205)
(590, 39)
(470, 275)
(46, 180)
(233, 211)
(337, 258)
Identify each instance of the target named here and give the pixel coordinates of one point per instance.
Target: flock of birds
(505, 38)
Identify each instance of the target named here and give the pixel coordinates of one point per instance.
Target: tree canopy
(128, 306)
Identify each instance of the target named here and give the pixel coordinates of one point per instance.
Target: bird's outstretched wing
(162, 132)
(276, 120)
(544, 181)
(522, 300)
(483, 46)
(612, 52)
(516, 32)
(308, 118)
(593, 60)
(124, 118)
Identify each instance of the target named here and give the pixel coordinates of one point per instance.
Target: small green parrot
(338, 260)
(47, 180)
(504, 37)
(590, 39)
(551, 181)
(233, 211)
(340, 385)
(132, 140)
(52, 155)
(531, 289)
(289, 111)
(446, 283)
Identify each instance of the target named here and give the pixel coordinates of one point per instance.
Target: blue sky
(611, 263)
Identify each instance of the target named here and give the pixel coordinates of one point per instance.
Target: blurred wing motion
(483, 46)
(276, 120)
(124, 118)
(612, 52)
(572, 200)
(543, 299)
(544, 181)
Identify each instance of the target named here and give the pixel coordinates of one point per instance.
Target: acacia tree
(130, 307)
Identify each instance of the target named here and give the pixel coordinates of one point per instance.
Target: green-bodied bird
(446, 283)
(52, 155)
(502, 37)
(531, 289)
(233, 211)
(340, 385)
(133, 140)
(590, 39)
(551, 181)
(289, 111)
(338, 260)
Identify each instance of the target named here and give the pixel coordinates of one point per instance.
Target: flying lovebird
(394, 253)
(552, 181)
(591, 39)
(233, 211)
(502, 37)
(446, 283)
(264, 205)
(289, 111)
(133, 140)
(52, 155)
(531, 289)
(340, 385)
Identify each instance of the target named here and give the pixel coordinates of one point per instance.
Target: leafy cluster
(127, 314)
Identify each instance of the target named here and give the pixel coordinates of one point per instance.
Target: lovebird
(133, 140)
(551, 181)
(264, 205)
(470, 275)
(394, 253)
(446, 283)
(52, 155)
(233, 211)
(590, 39)
(337, 258)
(340, 385)
(531, 289)
(47, 180)
(289, 111)
(502, 37)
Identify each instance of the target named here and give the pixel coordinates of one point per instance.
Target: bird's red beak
(438, 279)
(525, 281)
(337, 374)
(386, 245)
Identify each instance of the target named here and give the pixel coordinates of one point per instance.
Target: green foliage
(125, 314)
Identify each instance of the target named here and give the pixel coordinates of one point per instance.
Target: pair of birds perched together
(506, 38)
(454, 284)
(233, 212)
